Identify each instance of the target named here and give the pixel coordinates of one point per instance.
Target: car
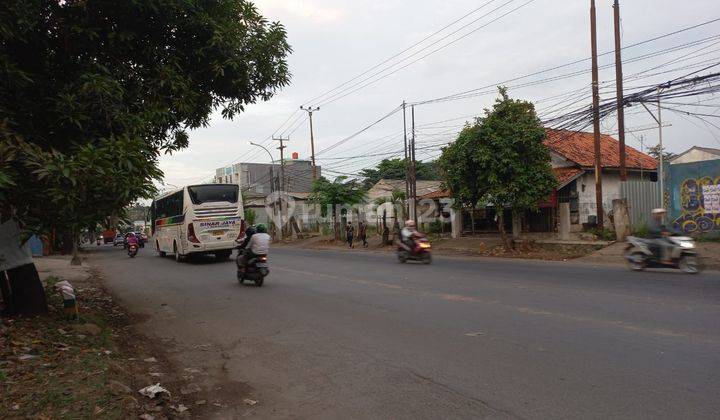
(119, 239)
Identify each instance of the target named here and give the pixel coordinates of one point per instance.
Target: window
(171, 205)
(212, 193)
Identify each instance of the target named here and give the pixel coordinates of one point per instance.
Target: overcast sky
(335, 40)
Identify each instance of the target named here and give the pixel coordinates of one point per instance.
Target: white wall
(695, 155)
(610, 189)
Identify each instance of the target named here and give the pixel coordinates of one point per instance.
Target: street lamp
(272, 179)
(265, 149)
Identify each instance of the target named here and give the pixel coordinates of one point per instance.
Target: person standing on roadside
(362, 233)
(350, 233)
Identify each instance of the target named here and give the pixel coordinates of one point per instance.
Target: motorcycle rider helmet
(658, 211)
(261, 228)
(409, 223)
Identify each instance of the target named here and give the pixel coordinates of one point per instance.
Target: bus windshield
(200, 194)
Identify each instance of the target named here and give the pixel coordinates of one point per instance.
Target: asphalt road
(357, 335)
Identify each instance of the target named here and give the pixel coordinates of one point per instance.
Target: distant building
(256, 179)
(384, 188)
(696, 154)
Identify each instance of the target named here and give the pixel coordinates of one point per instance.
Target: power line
(571, 63)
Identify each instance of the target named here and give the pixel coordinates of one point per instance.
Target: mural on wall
(699, 205)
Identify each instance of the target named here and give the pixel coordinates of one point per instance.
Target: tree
(501, 159)
(250, 216)
(395, 169)
(654, 151)
(336, 194)
(93, 91)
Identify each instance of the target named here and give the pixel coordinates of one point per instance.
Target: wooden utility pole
(310, 111)
(407, 167)
(620, 98)
(596, 118)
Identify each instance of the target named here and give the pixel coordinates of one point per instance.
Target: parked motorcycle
(256, 269)
(419, 250)
(132, 250)
(643, 253)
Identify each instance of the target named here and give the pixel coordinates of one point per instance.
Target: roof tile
(579, 147)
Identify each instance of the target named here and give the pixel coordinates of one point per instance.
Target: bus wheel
(160, 253)
(178, 257)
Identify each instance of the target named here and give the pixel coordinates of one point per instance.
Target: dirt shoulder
(62, 366)
(489, 246)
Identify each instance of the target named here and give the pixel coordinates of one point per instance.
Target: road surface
(336, 334)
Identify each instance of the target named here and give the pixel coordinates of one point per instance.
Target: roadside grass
(52, 370)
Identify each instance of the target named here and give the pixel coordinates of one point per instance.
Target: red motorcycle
(417, 249)
(132, 250)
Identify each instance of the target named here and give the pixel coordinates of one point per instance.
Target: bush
(642, 231)
(250, 217)
(604, 234)
(435, 227)
(709, 237)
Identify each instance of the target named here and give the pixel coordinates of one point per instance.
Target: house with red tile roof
(573, 159)
(572, 156)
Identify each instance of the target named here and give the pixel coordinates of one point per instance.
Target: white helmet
(409, 223)
(658, 211)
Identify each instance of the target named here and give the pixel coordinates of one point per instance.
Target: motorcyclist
(408, 233)
(659, 233)
(249, 232)
(131, 239)
(258, 244)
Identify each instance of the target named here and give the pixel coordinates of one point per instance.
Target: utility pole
(407, 168)
(661, 158)
(642, 150)
(272, 181)
(596, 118)
(661, 171)
(282, 172)
(310, 111)
(413, 172)
(620, 98)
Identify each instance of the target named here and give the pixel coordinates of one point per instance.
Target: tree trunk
(336, 227)
(76, 260)
(501, 228)
(385, 230)
(27, 293)
(472, 220)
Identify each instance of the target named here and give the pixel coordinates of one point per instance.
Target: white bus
(198, 219)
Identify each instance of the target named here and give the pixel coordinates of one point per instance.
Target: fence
(642, 197)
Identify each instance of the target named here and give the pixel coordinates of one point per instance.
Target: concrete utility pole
(282, 172)
(620, 98)
(596, 118)
(407, 168)
(310, 111)
(413, 172)
(272, 177)
(661, 170)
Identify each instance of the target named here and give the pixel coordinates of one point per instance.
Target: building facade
(263, 178)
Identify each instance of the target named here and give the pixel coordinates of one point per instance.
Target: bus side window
(152, 218)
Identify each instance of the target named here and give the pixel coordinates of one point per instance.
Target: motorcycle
(132, 250)
(643, 253)
(256, 269)
(419, 250)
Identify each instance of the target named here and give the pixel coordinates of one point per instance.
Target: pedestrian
(362, 234)
(350, 232)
